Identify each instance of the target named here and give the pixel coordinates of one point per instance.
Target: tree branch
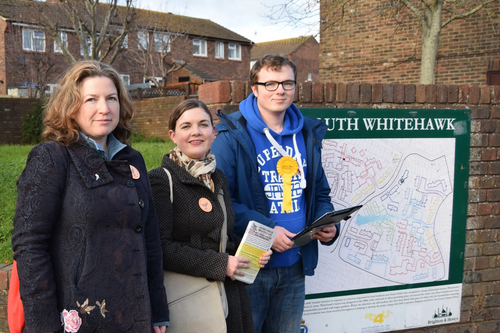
(467, 14)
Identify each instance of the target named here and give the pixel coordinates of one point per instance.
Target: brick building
(206, 50)
(369, 47)
(303, 51)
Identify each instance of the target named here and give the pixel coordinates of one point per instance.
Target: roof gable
(283, 47)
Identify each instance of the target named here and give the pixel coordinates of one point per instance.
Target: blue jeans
(277, 299)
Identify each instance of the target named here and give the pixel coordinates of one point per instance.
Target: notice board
(398, 262)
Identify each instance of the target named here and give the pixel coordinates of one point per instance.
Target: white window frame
(51, 87)
(124, 43)
(219, 50)
(160, 40)
(142, 40)
(32, 37)
(63, 36)
(125, 79)
(89, 46)
(201, 46)
(151, 83)
(234, 51)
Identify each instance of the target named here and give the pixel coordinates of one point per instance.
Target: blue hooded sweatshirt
(272, 183)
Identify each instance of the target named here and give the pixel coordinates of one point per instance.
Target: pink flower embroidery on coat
(71, 321)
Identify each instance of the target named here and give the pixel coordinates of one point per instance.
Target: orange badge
(205, 205)
(135, 172)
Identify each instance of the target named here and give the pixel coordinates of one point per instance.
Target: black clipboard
(332, 218)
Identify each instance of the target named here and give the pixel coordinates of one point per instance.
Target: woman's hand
(264, 258)
(233, 263)
(159, 329)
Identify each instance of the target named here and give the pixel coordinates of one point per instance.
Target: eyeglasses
(273, 85)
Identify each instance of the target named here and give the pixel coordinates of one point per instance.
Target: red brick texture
(151, 117)
(367, 46)
(12, 113)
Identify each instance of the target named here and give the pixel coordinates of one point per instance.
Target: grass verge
(12, 163)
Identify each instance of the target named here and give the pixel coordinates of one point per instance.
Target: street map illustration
(402, 233)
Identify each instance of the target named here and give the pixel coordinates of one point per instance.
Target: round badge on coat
(205, 205)
(135, 172)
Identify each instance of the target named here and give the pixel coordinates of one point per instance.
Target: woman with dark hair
(86, 237)
(192, 219)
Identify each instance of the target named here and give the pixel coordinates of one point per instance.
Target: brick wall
(151, 117)
(306, 57)
(481, 279)
(5, 270)
(3, 83)
(368, 48)
(12, 113)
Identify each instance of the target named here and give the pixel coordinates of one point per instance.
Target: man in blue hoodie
(271, 156)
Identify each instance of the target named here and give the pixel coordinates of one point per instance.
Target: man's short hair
(273, 61)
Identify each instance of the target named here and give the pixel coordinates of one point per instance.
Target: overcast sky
(245, 17)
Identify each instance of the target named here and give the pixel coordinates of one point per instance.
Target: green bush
(32, 126)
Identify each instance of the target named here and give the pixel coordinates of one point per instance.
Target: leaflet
(257, 239)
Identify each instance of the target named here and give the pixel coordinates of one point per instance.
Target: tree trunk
(430, 41)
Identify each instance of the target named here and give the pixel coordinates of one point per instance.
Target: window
(162, 42)
(234, 51)
(33, 40)
(184, 79)
(124, 43)
(125, 79)
(143, 40)
(309, 77)
(219, 50)
(89, 46)
(64, 40)
(51, 87)
(200, 47)
(158, 79)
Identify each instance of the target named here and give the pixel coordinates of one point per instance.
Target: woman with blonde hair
(86, 237)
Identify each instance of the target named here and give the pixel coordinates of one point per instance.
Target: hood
(293, 118)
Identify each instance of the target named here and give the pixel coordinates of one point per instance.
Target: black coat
(190, 237)
(88, 234)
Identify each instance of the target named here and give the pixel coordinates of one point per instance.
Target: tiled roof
(283, 47)
(185, 24)
(23, 11)
(201, 74)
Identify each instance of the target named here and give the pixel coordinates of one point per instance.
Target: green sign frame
(411, 123)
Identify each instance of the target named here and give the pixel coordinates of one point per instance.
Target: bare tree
(37, 69)
(157, 34)
(431, 16)
(100, 26)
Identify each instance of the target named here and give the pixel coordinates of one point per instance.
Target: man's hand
(326, 234)
(282, 241)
